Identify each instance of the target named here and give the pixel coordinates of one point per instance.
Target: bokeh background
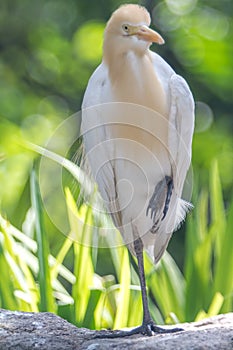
(49, 49)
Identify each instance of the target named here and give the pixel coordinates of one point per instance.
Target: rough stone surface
(21, 330)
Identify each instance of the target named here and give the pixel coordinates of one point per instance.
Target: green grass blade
(115, 243)
(20, 236)
(57, 263)
(81, 231)
(135, 307)
(89, 320)
(168, 287)
(214, 308)
(46, 296)
(122, 311)
(223, 241)
(7, 297)
(22, 284)
(216, 304)
(196, 231)
(198, 260)
(218, 216)
(223, 280)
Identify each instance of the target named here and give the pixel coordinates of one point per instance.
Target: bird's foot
(150, 328)
(147, 328)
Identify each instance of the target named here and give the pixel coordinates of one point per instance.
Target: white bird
(137, 126)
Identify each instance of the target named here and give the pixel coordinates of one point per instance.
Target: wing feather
(98, 152)
(181, 126)
(181, 119)
(181, 129)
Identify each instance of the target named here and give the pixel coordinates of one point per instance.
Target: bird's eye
(125, 28)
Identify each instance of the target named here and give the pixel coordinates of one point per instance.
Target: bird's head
(128, 30)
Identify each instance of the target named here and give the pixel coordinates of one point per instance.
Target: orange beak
(147, 34)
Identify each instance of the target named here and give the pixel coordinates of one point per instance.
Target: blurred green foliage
(49, 49)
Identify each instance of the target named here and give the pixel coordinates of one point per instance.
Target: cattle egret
(137, 126)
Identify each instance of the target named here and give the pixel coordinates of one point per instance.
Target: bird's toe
(159, 330)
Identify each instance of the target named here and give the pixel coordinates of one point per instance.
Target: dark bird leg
(138, 247)
(148, 326)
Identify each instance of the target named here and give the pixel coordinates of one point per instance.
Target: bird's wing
(180, 132)
(98, 152)
(181, 119)
(181, 127)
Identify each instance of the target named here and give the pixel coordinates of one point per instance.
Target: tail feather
(183, 207)
(162, 240)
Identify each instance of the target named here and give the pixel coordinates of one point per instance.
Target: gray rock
(45, 331)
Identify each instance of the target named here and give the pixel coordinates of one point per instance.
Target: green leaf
(168, 287)
(45, 285)
(123, 296)
(223, 281)
(81, 231)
